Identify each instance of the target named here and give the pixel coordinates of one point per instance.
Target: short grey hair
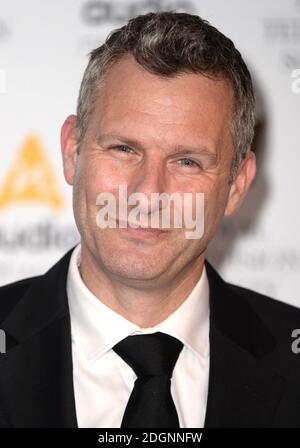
(169, 43)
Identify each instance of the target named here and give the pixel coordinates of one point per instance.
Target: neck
(146, 305)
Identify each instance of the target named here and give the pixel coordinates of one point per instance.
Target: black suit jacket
(254, 378)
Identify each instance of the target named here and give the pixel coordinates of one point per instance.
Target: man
(166, 105)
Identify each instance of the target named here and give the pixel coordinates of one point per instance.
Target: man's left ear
(239, 187)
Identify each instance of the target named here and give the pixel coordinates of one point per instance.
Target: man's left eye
(189, 163)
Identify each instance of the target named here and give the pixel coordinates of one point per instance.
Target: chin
(136, 268)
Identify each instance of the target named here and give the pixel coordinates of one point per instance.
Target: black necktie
(152, 357)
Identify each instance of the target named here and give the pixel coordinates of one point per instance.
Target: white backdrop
(43, 52)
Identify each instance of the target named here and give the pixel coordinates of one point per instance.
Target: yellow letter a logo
(31, 178)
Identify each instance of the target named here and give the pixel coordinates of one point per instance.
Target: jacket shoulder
(12, 293)
(277, 315)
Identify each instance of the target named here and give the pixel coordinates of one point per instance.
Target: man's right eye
(122, 148)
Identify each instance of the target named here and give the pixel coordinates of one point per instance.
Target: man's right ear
(68, 141)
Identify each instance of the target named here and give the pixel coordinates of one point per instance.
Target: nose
(149, 179)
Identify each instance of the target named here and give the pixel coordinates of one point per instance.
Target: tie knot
(150, 354)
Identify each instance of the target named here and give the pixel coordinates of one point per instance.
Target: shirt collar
(96, 328)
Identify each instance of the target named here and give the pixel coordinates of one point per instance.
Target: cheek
(100, 176)
(215, 199)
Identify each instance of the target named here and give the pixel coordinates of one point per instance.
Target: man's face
(154, 135)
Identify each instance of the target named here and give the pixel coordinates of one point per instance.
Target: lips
(147, 229)
(132, 226)
(141, 232)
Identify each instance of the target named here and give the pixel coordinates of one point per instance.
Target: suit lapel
(36, 372)
(245, 388)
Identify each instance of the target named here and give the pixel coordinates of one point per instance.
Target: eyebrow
(178, 149)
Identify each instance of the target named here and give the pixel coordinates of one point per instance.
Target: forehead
(127, 77)
(186, 103)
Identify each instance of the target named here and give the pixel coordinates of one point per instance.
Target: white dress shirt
(103, 381)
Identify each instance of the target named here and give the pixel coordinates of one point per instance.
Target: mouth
(140, 231)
